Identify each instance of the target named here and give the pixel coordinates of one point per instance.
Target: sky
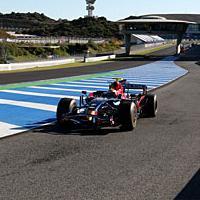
(111, 9)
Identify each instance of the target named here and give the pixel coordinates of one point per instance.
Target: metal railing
(56, 40)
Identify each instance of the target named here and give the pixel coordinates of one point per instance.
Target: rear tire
(128, 115)
(151, 106)
(65, 106)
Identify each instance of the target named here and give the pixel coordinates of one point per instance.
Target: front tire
(128, 115)
(65, 106)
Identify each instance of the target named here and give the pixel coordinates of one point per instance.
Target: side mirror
(84, 92)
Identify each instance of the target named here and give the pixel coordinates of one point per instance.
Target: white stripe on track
(9, 129)
(39, 94)
(97, 81)
(149, 84)
(146, 82)
(38, 106)
(87, 86)
(58, 89)
(88, 83)
(104, 80)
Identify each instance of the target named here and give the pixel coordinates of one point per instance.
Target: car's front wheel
(65, 106)
(128, 115)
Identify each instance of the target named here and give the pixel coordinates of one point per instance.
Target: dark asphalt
(160, 159)
(121, 63)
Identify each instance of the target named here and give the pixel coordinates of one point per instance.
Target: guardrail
(56, 40)
(154, 44)
(17, 66)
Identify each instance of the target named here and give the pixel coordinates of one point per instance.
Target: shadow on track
(193, 54)
(192, 190)
(151, 58)
(36, 124)
(55, 129)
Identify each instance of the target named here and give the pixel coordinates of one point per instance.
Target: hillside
(24, 20)
(39, 24)
(82, 27)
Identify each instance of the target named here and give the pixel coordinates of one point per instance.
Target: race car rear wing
(130, 86)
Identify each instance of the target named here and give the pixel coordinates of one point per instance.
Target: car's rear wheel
(128, 115)
(151, 106)
(65, 106)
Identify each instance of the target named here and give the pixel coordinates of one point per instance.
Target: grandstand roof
(154, 20)
(148, 38)
(192, 18)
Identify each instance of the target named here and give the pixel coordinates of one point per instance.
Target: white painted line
(88, 83)
(97, 81)
(58, 89)
(128, 79)
(87, 86)
(149, 82)
(39, 94)
(38, 106)
(104, 80)
(9, 129)
(150, 85)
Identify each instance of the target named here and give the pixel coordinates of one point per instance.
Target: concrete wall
(95, 59)
(154, 44)
(16, 66)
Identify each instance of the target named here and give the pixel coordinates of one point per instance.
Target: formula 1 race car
(108, 108)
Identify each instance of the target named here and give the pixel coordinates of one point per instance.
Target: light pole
(90, 7)
(3, 53)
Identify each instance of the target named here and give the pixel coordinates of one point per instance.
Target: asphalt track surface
(122, 63)
(158, 160)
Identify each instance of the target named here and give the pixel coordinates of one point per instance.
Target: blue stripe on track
(24, 117)
(146, 82)
(80, 87)
(82, 84)
(29, 98)
(50, 91)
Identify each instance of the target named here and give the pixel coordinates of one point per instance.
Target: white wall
(15, 66)
(95, 59)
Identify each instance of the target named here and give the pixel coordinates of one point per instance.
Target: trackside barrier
(154, 44)
(16, 66)
(93, 59)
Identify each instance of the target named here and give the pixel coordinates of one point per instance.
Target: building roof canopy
(154, 20)
(153, 25)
